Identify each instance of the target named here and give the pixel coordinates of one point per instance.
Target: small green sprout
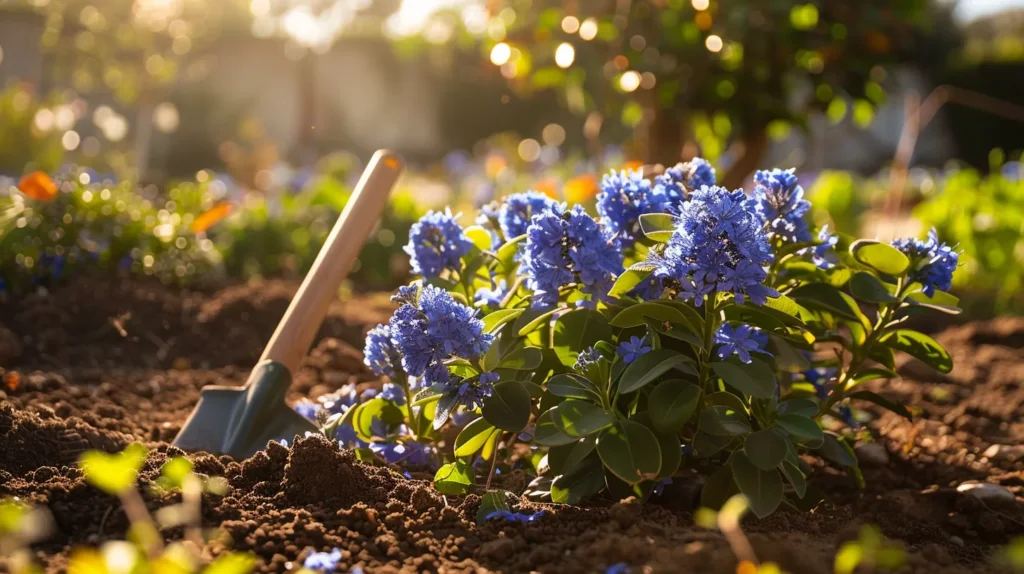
(870, 549)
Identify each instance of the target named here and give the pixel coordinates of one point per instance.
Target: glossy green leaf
(799, 406)
(826, 298)
(547, 433)
(630, 278)
(578, 330)
(707, 445)
(532, 319)
(866, 287)
(522, 359)
(573, 386)
(492, 502)
(755, 378)
(508, 407)
(494, 321)
(872, 373)
(795, 477)
(113, 473)
(837, 451)
(671, 404)
(718, 488)
(671, 454)
(580, 418)
(454, 478)
(636, 315)
(803, 430)
(763, 488)
(724, 421)
(883, 402)
(506, 254)
(766, 448)
(650, 366)
(429, 394)
(657, 226)
(880, 256)
(578, 484)
(921, 347)
(630, 450)
(473, 437)
(376, 408)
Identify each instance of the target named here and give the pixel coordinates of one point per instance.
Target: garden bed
(103, 364)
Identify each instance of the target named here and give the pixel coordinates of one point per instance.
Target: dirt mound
(86, 376)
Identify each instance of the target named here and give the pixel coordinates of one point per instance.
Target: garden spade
(238, 421)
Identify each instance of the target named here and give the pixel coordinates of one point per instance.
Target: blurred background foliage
(219, 140)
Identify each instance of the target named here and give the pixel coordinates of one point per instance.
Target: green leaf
(174, 471)
(882, 355)
(584, 481)
(429, 394)
(939, 301)
(232, 563)
(678, 331)
(532, 319)
(547, 433)
(766, 448)
(479, 236)
(726, 399)
(881, 257)
(630, 278)
(866, 287)
(707, 445)
(493, 321)
(763, 488)
(671, 404)
(718, 488)
(755, 378)
(377, 408)
(454, 478)
(113, 473)
(578, 330)
(563, 459)
(826, 298)
(650, 366)
(657, 226)
(473, 437)
(522, 359)
(573, 386)
(506, 255)
(921, 347)
(492, 502)
(508, 407)
(799, 406)
(634, 316)
(787, 359)
(578, 418)
(724, 421)
(630, 450)
(836, 450)
(693, 318)
(871, 374)
(803, 430)
(671, 454)
(795, 477)
(884, 403)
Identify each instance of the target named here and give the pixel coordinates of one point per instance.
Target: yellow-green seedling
(870, 549)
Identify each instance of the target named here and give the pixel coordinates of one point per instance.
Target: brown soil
(102, 364)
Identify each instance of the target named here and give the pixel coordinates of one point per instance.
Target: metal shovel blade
(239, 421)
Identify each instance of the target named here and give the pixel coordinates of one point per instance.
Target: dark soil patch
(103, 364)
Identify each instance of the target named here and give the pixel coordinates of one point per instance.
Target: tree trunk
(754, 148)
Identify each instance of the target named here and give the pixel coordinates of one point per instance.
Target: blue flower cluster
(568, 246)
(781, 204)
(517, 211)
(682, 178)
(823, 254)
(516, 516)
(430, 329)
(633, 349)
(624, 197)
(932, 262)
(380, 353)
(740, 341)
(491, 296)
(473, 392)
(819, 378)
(436, 243)
(405, 452)
(587, 358)
(323, 561)
(719, 245)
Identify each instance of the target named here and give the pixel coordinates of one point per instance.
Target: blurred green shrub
(29, 134)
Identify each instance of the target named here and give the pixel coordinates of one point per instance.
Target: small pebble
(986, 492)
(956, 541)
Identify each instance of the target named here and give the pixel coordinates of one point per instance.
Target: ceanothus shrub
(684, 326)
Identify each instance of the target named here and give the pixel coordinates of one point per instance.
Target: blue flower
(624, 197)
(394, 393)
(819, 378)
(740, 341)
(586, 359)
(408, 452)
(434, 329)
(380, 353)
(565, 247)
(932, 263)
(659, 487)
(515, 516)
(823, 255)
(323, 561)
(491, 296)
(618, 568)
(719, 244)
(436, 244)
(473, 392)
(307, 409)
(846, 414)
(781, 204)
(682, 178)
(633, 349)
(518, 210)
(341, 400)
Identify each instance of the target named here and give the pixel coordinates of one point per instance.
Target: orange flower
(548, 186)
(37, 185)
(633, 165)
(211, 216)
(581, 189)
(494, 164)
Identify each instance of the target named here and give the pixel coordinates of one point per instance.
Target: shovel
(240, 421)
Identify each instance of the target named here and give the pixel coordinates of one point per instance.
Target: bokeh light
(166, 117)
(588, 29)
(629, 81)
(713, 43)
(570, 24)
(701, 4)
(529, 149)
(565, 54)
(500, 53)
(553, 134)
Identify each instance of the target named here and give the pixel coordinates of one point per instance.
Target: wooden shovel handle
(301, 321)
